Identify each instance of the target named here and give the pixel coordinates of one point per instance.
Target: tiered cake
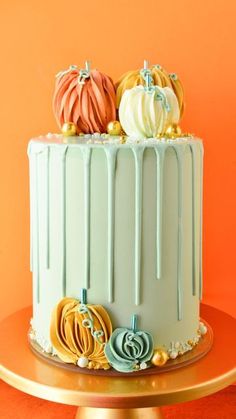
(116, 223)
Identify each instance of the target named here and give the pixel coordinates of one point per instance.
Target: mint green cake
(118, 218)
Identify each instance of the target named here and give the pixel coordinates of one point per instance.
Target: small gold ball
(122, 139)
(114, 128)
(190, 342)
(69, 129)
(160, 357)
(173, 131)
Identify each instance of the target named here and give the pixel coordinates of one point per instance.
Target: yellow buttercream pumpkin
(80, 331)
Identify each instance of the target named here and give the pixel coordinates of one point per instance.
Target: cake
(116, 223)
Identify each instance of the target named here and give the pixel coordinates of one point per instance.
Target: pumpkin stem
(146, 75)
(134, 323)
(83, 296)
(84, 73)
(145, 64)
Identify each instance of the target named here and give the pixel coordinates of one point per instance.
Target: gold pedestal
(98, 413)
(107, 397)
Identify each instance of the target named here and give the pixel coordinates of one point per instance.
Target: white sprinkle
(143, 366)
(82, 362)
(173, 354)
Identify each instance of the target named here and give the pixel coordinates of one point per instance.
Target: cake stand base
(98, 413)
(118, 397)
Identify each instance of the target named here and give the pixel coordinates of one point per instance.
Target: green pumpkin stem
(134, 323)
(83, 296)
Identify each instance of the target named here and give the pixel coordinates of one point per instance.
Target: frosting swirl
(80, 332)
(86, 98)
(128, 351)
(147, 113)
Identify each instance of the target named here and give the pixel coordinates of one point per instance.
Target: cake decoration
(202, 328)
(160, 357)
(160, 78)
(84, 97)
(126, 179)
(129, 349)
(114, 128)
(173, 131)
(68, 129)
(147, 111)
(79, 331)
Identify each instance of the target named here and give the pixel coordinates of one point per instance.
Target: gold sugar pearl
(173, 131)
(114, 128)
(69, 129)
(160, 357)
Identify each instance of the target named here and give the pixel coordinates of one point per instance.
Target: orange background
(194, 38)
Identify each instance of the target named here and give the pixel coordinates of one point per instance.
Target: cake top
(99, 140)
(144, 103)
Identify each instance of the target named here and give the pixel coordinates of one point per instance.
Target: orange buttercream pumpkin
(85, 98)
(80, 332)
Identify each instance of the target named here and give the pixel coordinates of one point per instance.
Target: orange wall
(194, 38)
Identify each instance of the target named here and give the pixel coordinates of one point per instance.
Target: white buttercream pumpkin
(148, 112)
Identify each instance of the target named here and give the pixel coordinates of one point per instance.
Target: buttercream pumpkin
(80, 331)
(86, 98)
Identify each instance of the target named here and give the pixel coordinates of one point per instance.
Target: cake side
(124, 222)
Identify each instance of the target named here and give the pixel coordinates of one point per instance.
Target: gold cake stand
(104, 397)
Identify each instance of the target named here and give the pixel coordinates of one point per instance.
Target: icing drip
(63, 219)
(200, 241)
(111, 164)
(160, 154)
(34, 217)
(47, 245)
(31, 208)
(87, 162)
(179, 155)
(138, 157)
(194, 258)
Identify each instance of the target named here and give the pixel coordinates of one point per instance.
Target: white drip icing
(31, 210)
(111, 164)
(160, 154)
(194, 247)
(63, 219)
(138, 158)
(179, 155)
(36, 224)
(200, 240)
(33, 153)
(47, 215)
(87, 170)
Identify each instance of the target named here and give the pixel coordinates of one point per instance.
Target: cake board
(118, 397)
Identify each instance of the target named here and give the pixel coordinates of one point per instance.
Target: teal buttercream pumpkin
(128, 350)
